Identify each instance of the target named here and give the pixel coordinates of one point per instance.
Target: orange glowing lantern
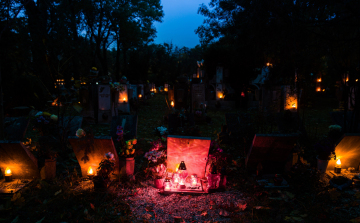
(293, 105)
(357, 80)
(172, 104)
(124, 100)
(323, 89)
(140, 96)
(337, 168)
(318, 89)
(8, 174)
(319, 79)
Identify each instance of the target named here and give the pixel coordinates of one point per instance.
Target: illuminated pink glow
(193, 151)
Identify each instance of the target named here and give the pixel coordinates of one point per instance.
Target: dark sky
(179, 23)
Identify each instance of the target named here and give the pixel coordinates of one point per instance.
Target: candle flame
(319, 80)
(338, 162)
(90, 171)
(7, 171)
(124, 99)
(140, 95)
(172, 103)
(293, 105)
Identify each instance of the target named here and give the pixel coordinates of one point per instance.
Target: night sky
(179, 23)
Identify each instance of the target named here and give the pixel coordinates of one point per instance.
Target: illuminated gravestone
(130, 122)
(193, 151)
(348, 151)
(122, 100)
(96, 152)
(272, 151)
(22, 163)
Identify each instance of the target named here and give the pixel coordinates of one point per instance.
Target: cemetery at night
(179, 111)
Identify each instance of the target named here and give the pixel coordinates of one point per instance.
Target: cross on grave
(95, 152)
(272, 151)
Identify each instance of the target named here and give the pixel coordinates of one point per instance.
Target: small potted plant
(127, 154)
(325, 150)
(106, 167)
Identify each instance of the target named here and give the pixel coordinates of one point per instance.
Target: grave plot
(272, 153)
(187, 156)
(90, 152)
(96, 103)
(347, 156)
(70, 124)
(18, 166)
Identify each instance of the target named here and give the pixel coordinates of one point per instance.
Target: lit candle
(172, 103)
(124, 100)
(8, 174)
(319, 80)
(193, 180)
(176, 178)
(90, 173)
(167, 184)
(337, 168)
(140, 95)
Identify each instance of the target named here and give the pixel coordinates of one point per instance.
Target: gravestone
(134, 94)
(273, 151)
(193, 151)
(19, 159)
(130, 127)
(88, 100)
(15, 127)
(104, 106)
(290, 100)
(181, 93)
(140, 90)
(71, 124)
(97, 150)
(348, 151)
(338, 119)
(121, 105)
(197, 95)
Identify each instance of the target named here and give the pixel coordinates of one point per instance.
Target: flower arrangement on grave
(217, 158)
(157, 158)
(161, 131)
(94, 70)
(127, 150)
(325, 149)
(43, 122)
(106, 167)
(116, 86)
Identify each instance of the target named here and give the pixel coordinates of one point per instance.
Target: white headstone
(219, 74)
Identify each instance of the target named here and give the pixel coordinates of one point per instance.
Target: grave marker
(348, 151)
(122, 100)
(19, 159)
(193, 151)
(197, 95)
(97, 150)
(273, 151)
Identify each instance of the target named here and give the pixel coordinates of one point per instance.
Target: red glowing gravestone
(193, 151)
